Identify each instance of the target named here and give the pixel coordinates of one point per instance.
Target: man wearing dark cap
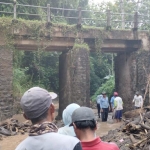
(38, 107)
(85, 125)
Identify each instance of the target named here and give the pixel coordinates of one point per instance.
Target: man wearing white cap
(38, 107)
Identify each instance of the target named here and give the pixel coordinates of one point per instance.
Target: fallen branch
(145, 126)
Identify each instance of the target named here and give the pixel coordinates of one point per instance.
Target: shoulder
(141, 96)
(110, 146)
(23, 144)
(112, 97)
(63, 141)
(65, 137)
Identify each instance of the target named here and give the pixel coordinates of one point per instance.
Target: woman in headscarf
(66, 116)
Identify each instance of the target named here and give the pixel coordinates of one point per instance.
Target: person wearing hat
(38, 107)
(104, 103)
(66, 117)
(112, 104)
(138, 101)
(85, 126)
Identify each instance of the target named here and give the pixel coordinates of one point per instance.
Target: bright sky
(99, 1)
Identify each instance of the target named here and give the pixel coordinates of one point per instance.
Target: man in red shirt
(85, 125)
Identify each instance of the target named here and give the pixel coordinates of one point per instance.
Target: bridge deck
(114, 41)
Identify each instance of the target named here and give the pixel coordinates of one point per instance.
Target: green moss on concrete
(81, 46)
(40, 30)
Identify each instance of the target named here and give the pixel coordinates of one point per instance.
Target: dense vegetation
(42, 68)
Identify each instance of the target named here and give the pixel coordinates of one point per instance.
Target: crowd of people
(79, 132)
(80, 125)
(115, 105)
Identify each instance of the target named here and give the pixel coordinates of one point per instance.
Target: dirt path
(10, 143)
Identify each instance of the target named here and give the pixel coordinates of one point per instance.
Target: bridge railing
(78, 16)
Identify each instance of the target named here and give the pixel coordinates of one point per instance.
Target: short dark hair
(40, 118)
(86, 124)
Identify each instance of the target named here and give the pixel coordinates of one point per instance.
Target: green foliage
(43, 69)
(101, 66)
(20, 84)
(20, 78)
(83, 45)
(108, 86)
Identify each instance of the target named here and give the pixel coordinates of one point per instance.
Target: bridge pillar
(6, 76)
(124, 78)
(74, 77)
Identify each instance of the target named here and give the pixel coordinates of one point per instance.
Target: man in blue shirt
(104, 103)
(112, 104)
(112, 100)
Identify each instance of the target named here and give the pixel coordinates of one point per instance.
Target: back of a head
(84, 118)
(35, 102)
(115, 94)
(67, 113)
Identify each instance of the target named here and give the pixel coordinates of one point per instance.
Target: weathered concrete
(131, 72)
(74, 78)
(6, 76)
(123, 78)
(74, 65)
(62, 40)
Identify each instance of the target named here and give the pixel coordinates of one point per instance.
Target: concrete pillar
(123, 79)
(74, 77)
(6, 76)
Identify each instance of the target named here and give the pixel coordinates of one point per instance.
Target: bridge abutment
(131, 75)
(74, 78)
(6, 77)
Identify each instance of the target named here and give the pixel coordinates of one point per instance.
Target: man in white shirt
(118, 105)
(138, 101)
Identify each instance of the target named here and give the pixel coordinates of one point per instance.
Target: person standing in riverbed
(118, 106)
(112, 104)
(85, 126)
(38, 107)
(138, 101)
(104, 104)
(98, 104)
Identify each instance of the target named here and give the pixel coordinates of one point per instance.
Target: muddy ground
(10, 143)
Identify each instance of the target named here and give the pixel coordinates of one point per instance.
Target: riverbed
(10, 143)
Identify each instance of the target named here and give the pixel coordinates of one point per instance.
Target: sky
(99, 1)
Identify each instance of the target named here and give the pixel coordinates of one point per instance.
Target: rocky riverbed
(10, 142)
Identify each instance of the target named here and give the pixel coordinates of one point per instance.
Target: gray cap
(82, 114)
(35, 102)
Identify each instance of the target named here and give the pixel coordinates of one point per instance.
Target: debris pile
(12, 127)
(134, 133)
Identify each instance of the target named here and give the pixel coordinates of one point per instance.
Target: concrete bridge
(75, 43)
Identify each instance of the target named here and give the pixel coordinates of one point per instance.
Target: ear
(52, 108)
(24, 115)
